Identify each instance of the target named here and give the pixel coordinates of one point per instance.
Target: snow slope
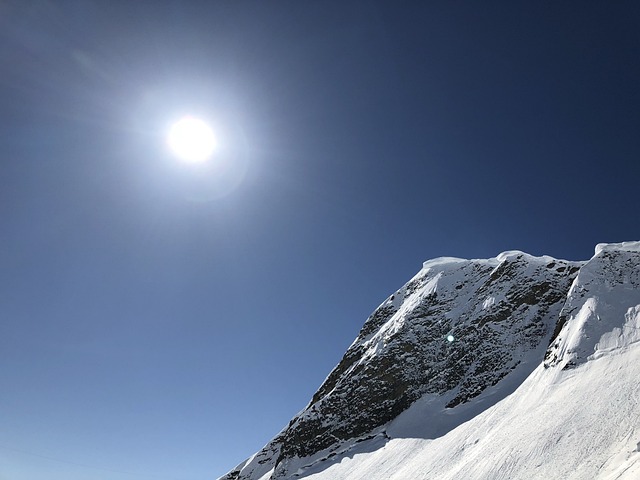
(578, 424)
(572, 412)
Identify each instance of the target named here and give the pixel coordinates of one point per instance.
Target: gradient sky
(160, 320)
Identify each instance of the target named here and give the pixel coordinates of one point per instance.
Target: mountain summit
(513, 367)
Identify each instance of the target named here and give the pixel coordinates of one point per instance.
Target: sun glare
(192, 140)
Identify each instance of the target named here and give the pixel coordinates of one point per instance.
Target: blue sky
(161, 320)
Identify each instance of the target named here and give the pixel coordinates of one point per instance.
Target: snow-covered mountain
(515, 367)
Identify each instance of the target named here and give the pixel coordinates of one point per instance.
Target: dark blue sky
(160, 320)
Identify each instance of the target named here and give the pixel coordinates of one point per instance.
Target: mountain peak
(455, 341)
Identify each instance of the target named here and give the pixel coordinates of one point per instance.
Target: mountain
(514, 367)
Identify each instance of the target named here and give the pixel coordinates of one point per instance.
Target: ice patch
(488, 302)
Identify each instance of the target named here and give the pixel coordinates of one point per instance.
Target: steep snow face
(457, 338)
(605, 292)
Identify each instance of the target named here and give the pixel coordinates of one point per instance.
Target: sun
(191, 140)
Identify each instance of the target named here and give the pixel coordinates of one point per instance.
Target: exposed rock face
(456, 329)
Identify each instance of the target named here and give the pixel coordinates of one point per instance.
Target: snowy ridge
(617, 247)
(601, 311)
(451, 378)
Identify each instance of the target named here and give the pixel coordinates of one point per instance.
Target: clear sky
(165, 320)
